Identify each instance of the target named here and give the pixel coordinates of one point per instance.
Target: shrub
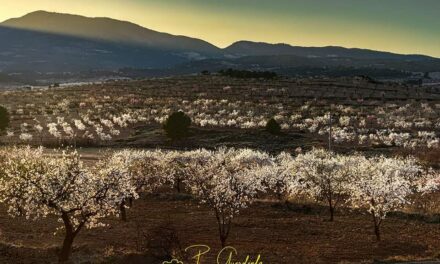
(177, 125)
(273, 127)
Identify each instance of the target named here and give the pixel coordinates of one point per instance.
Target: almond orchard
(74, 161)
(225, 180)
(358, 111)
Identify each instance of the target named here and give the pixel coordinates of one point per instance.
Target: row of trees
(226, 180)
(105, 117)
(176, 126)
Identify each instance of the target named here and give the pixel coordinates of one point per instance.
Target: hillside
(41, 45)
(107, 29)
(249, 48)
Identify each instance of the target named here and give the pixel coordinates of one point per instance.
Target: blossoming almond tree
(281, 176)
(227, 181)
(177, 166)
(140, 171)
(118, 165)
(37, 186)
(324, 176)
(382, 185)
(147, 170)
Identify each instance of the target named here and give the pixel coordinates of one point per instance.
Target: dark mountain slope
(43, 42)
(24, 50)
(108, 30)
(248, 48)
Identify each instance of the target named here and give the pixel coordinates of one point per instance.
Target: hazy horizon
(399, 26)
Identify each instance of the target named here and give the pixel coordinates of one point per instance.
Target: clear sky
(403, 26)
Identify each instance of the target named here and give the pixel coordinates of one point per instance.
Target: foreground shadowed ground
(279, 235)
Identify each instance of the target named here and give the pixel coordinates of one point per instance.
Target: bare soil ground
(153, 136)
(278, 234)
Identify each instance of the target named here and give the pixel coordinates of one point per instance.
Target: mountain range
(48, 42)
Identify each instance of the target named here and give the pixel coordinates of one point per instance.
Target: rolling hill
(249, 48)
(47, 42)
(107, 29)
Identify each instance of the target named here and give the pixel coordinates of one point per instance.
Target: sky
(402, 26)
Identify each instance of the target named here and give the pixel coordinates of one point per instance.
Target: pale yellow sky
(224, 24)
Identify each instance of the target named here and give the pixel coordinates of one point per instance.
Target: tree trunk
(66, 250)
(332, 209)
(223, 241)
(223, 228)
(287, 203)
(123, 211)
(376, 227)
(220, 232)
(223, 234)
(332, 212)
(178, 185)
(279, 197)
(377, 232)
